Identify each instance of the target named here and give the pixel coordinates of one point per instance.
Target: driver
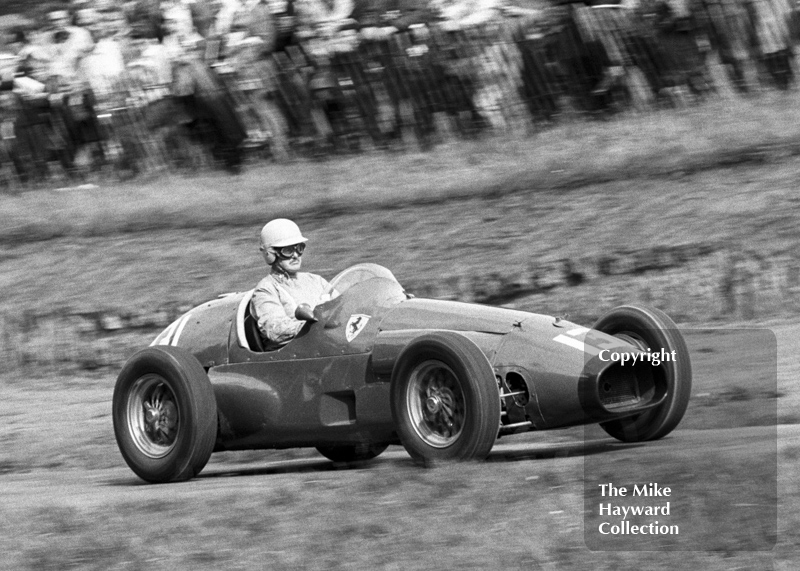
(277, 296)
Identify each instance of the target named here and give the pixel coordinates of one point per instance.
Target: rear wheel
(651, 329)
(165, 414)
(445, 400)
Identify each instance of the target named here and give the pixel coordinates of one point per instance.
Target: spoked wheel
(153, 416)
(651, 329)
(445, 400)
(436, 404)
(165, 414)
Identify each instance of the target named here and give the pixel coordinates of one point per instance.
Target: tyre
(648, 328)
(445, 400)
(352, 452)
(165, 414)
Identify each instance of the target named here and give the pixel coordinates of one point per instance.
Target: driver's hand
(304, 312)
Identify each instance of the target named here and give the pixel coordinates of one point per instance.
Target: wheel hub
(440, 402)
(153, 417)
(160, 418)
(433, 404)
(436, 404)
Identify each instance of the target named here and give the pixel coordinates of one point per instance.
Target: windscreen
(359, 273)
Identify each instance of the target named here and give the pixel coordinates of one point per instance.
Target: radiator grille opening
(619, 386)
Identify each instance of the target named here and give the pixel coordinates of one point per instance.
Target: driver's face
(290, 265)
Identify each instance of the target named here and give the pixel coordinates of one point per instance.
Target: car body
(376, 366)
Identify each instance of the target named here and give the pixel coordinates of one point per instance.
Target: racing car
(377, 366)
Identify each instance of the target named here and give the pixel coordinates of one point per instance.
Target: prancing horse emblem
(355, 324)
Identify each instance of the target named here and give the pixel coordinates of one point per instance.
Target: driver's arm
(274, 314)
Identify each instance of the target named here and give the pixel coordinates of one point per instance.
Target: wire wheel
(165, 414)
(444, 399)
(153, 418)
(435, 403)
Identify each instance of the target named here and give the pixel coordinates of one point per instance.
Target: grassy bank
(652, 209)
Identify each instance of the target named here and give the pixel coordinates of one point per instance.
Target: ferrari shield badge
(355, 324)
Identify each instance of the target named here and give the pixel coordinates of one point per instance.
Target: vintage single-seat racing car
(376, 366)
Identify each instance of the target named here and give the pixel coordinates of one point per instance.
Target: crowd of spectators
(81, 78)
(118, 81)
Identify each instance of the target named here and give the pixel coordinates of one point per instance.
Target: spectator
(249, 40)
(181, 39)
(285, 22)
(462, 14)
(34, 58)
(145, 19)
(198, 89)
(397, 74)
(773, 45)
(381, 17)
(65, 45)
(324, 28)
(9, 110)
(103, 67)
(36, 137)
(319, 16)
(477, 26)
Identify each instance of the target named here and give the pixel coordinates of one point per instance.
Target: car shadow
(396, 455)
(271, 468)
(284, 467)
(506, 452)
(518, 452)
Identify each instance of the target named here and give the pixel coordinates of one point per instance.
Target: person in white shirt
(104, 66)
(277, 297)
(66, 45)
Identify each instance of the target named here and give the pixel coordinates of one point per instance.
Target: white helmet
(281, 232)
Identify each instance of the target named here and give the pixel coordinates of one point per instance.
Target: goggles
(286, 252)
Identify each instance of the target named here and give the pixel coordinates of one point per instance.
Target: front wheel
(165, 414)
(651, 329)
(445, 400)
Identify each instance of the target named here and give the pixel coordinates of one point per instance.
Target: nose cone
(562, 372)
